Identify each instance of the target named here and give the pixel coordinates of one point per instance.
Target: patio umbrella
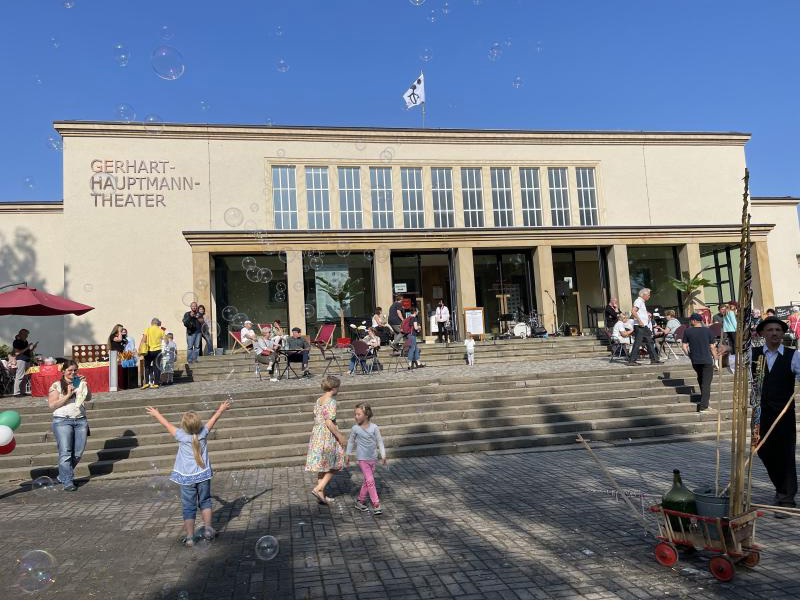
(36, 303)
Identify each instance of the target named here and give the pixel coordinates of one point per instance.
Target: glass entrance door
(503, 285)
(425, 279)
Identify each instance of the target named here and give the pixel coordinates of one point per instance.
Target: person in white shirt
(623, 331)
(247, 334)
(442, 322)
(642, 331)
(470, 345)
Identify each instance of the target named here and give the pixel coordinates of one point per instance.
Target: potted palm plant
(690, 288)
(342, 294)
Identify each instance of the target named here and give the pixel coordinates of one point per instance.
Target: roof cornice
(27, 208)
(774, 200)
(398, 135)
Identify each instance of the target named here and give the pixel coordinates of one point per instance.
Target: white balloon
(6, 435)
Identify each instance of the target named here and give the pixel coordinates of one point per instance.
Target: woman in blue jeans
(67, 398)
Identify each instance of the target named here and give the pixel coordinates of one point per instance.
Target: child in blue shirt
(192, 469)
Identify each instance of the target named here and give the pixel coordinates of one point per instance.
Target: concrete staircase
(241, 365)
(417, 417)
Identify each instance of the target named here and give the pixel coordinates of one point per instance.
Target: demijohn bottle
(681, 499)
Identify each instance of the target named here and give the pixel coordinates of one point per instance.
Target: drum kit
(522, 325)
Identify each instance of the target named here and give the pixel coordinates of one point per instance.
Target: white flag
(415, 95)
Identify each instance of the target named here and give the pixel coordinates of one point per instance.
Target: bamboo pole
(719, 423)
(787, 510)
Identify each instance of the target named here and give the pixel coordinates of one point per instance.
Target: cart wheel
(666, 554)
(751, 560)
(722, 568)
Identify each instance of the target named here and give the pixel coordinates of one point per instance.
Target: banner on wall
(327, 309)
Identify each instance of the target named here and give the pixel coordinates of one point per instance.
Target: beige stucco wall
(31, 250)
(784, 246)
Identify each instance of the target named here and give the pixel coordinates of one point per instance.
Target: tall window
(559, 196)
(349, 198)
(413, 200)
(531, 197)
(442, 188)
(319, 209)
(472, 196)
(587, 197)
(380, 181)
(502, 200)
(284, 197)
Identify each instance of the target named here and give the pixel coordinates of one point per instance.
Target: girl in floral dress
(326, 446)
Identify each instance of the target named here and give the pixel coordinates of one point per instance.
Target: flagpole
(423, 115)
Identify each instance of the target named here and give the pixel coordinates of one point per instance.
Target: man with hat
(698, 343)
(296, 347)
(781, 368)
(247, 334)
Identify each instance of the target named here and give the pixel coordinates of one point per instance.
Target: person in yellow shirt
(150, 346)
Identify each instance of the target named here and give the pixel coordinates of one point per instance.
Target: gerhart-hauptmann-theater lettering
(138, 177)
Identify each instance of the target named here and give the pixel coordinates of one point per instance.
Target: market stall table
(96, 375)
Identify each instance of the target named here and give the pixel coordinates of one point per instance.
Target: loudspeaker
(562, 288)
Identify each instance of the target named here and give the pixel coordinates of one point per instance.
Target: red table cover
(96, 379)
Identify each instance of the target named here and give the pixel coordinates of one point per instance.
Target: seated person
(380, 326)
(264, 350)
(248, 335)
(277, 330)
(374, 342)
(672, 325)
(623, 331)
(297, 348)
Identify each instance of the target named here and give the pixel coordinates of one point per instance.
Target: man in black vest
(781, 368)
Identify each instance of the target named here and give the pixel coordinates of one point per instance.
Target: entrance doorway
(503, 286)
(423, 278)
(581, 280)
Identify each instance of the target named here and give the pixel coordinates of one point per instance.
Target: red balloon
(9, 447)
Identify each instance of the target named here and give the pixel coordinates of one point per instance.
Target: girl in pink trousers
(365, 437)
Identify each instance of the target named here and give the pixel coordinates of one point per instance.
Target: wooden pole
(719, 423)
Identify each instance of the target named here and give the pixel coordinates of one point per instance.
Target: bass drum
(522, 330)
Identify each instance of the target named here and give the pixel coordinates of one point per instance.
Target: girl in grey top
(365, 438)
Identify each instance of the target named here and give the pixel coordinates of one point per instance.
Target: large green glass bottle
(681, 499)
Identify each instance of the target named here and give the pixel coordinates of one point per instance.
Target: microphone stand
(555, 313)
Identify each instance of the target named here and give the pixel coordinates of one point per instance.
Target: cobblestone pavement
(504, 525)
(251, 383)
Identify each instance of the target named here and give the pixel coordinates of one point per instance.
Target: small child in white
(169, 354)
(366, 437)
(470, 345)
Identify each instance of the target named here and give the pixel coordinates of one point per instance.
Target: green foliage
(4, 351)
(690, 288)
(342, 294)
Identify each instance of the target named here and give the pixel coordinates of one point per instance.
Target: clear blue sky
(707, 65)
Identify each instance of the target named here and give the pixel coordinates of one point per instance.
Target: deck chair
(238, 346)
(618, 350)
(323, 342)
(265, 329)
(400, 354)
(673, 341)
(365, 358)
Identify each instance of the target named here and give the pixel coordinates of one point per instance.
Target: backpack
(407, 327)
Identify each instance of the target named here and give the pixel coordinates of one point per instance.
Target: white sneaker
(273, 379)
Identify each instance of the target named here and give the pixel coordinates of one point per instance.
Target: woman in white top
(623, 330)
(67, 398)
(380, 326)
(442, 322)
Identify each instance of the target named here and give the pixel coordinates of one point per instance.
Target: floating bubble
(508, 42)
(446, 9)
(310, 311)
(122, 54)
(88, 287)
(238, 320)
(37, 80)
(368, 254)
(42, 485)
(495, 51)
(517, 82)
(125, 113)
(282, 65)
(55, 42)
(203, 536)
(267, 548)
(426, 55)
(268, 122)
(188, 298)
(265, 275)
(386, 155)
(233, 217)
(29, 182)
(283, 256)
(229, 312)
(343, 250)
(477, 2)
(69, 4)
(298, 286)
(153, 124)
(167, 63)
(433, 16)
(54, 143)
(36, 569)
(252, 275)
(539, 46)
(248, 262)
(183, 595)
(280, 297)
(315, 262)
(201, 284)
(162, 488)
(279, 31)
(204, 105)
(281, 153)
(165, 33)
(417, 2)
(281, 287)
(254, 207)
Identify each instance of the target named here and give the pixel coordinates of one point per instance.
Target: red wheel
(722, 568)
(751, 560)
(666, 554)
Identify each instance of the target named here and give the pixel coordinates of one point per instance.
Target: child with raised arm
(366, 438)
(192, 470)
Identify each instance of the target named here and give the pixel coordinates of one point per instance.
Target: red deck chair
(323, 343)
(238, 346)
(265, 329)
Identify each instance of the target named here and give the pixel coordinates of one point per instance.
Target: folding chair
(265, 329)
(672, 341)
(400, 354)
(364, 357)
(618, 350)
(323, 343)
(238, 346)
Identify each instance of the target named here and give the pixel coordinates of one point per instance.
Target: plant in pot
(342, 293)
(690, 288)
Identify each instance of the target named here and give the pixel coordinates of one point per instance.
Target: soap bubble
(233, 217)
(281, 153)
(248, 262)
(188, 298)
(54, 143)
(280, 297)
(42, 485)
(539, 46)
(495, 51)
(433, 16)
(122, 54)
(201, 284)
(239, 319)
(282, 65)
(446, 9)
(254, 207)
(167, 63)
(55, 42)
(477, 2)
(183, 595)
(268, 122)
(315, 262)
(69, 3)
(517, 82)
(36, 570)
(125, 112)
(162, 488)
(281, 287)
(310, 310)
(417, 2)
(265, 275)
(165, 33)
(267, 548)
(386, 155)
(204, 105)
(252, 275)
(203, 536)
(279, 31)
(343, 250)
(153, 124)
(298, 286)
(368, 254)
(283, 256)
(37, 80)
(507, 42)
(29, 182)
(426, 55)
(229, 312)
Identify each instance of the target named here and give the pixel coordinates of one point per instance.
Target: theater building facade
(259, 221)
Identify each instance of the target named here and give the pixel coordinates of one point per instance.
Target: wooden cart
(731, 540)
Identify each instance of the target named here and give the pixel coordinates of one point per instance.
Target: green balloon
(10, 418)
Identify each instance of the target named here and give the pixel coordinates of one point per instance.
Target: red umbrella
(33, 302)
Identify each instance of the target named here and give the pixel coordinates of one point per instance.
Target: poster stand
(473, 321)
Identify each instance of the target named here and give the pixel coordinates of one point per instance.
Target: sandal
(320, 498)
(185, 540)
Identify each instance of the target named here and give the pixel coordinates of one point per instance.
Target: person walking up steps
(192, 470)
(366, 438)
(326, 446)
